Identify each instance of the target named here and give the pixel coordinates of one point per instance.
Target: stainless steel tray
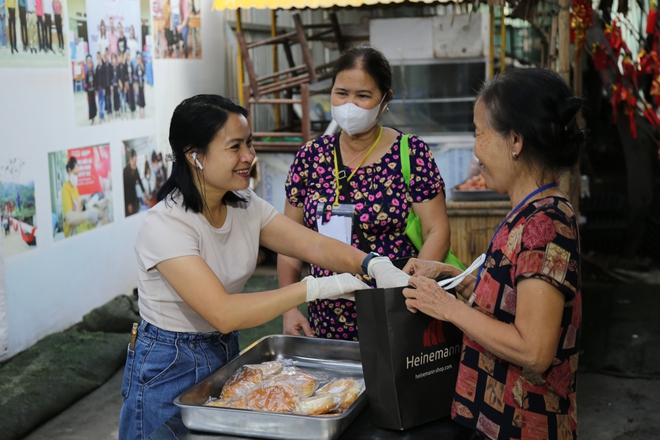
(329, 358)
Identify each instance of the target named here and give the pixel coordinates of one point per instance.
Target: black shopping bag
(409, 360)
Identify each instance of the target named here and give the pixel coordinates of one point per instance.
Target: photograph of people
(521, 316)
(177, 29)
(90, 87)
(17, 208)
(122, 45)
(140, 73)
(379, 196)
(100, 78)
(3, 26)
(132, 44)
(11, 24)
(109, 32)
(190, 284)
(81, 190)
(48, 25)
(57, 12)
(143, 174)
(132, 180)
(26, 33)
(102, 41)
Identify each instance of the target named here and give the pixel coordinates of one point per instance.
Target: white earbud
(199, 165)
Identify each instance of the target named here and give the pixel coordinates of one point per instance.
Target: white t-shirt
(133, 47)
(230, 251)
(102, 43)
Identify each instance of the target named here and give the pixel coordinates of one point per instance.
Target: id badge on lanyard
(340, 225)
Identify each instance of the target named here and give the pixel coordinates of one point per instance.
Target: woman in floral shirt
(518, 372)
(361, 89)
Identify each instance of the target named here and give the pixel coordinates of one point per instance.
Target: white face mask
(355, 120)
(73, 179)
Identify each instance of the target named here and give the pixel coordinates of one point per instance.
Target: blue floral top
(382, 203)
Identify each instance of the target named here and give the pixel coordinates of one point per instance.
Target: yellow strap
(334, 153)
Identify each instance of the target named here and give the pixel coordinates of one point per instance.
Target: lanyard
(334, 153)
(513, 211)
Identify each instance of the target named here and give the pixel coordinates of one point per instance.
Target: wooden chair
(327, 33)
(289, 87)
(284, 79)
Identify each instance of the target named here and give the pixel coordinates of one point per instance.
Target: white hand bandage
(336, 286)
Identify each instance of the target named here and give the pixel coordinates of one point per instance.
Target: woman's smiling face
(229, 157)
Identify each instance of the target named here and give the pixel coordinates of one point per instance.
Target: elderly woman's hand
(429, 298)
(429, 269)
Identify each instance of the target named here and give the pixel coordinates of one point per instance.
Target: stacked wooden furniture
(287, 87)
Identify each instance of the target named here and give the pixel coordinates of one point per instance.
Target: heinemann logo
(434, 335)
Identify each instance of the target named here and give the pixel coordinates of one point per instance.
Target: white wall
(49, 288)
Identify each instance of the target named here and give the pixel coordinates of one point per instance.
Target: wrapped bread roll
(299, 379)
(235, 402)
(347, 390)
(319, 404)
(272, 397)
(248, 376)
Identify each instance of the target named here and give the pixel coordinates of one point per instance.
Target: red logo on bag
(434, 335)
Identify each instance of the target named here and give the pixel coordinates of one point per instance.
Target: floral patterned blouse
(382, 203)
(502, 400)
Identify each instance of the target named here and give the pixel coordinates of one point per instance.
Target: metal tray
(330, 358)
(476, 194)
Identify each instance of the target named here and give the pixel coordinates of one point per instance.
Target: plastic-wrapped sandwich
(276, 387)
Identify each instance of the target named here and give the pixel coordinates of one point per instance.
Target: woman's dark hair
(537, 104)
(371, 60)
(71, 164)
(195, 123)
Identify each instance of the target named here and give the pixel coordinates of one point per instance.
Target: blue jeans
(3, 31)
(163, 365)
(101, 95)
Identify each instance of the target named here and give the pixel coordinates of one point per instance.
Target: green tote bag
(413, 226)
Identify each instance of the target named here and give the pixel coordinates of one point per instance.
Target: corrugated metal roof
(314, 4)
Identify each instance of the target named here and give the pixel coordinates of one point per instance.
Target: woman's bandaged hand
(333, 287)
(386, 274)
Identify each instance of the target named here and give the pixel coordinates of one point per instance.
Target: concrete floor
(619, 337)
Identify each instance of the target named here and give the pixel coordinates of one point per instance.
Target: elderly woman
(521, 314)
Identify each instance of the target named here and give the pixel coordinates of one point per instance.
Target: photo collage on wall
(111, 61)
(32, 34)
(109, 46)
(80, 190)
(144, 173)
(17, 208)
(177, 29)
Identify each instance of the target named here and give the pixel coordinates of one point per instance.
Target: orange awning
(314, 4)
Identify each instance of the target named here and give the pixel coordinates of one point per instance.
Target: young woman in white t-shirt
(132, 43)
(195, 251)
(102, 42)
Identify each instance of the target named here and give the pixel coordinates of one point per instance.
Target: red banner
(93, 164)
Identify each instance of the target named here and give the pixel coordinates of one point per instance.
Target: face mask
(73, 179)
(353, 119)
